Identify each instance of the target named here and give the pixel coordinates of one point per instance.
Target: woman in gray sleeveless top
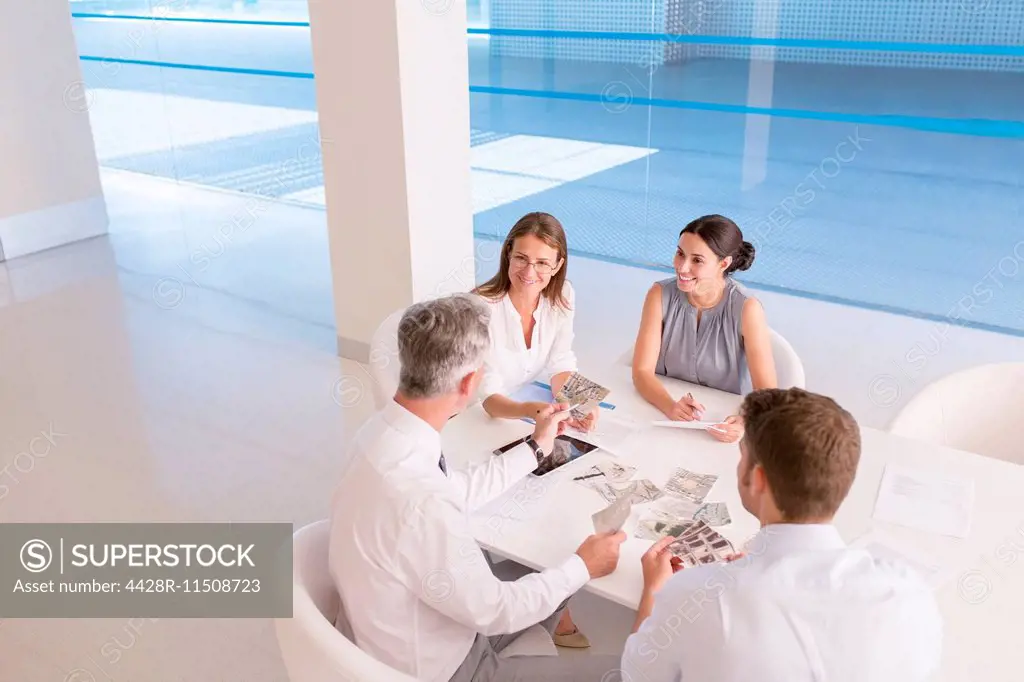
(702, 326)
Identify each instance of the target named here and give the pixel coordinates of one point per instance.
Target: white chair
(975, 410)
(385, 366)
(312, 648)
(789, 369)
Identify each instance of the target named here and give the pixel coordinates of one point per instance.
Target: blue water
(883, 213)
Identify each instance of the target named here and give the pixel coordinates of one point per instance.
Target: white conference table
(545, 519)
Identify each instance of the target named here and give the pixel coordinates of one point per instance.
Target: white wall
(50, 190)
(871, 362)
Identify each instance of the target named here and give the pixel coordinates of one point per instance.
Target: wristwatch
(538, 452)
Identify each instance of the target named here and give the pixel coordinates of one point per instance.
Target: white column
(393, 96)
(760, 94)
(50, 191)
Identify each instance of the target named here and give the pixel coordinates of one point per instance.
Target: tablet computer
(567, 449)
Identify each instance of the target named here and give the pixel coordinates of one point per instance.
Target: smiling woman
(702, 326)
(532, 313)
(531, 328)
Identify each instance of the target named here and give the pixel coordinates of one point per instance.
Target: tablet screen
(566, 450)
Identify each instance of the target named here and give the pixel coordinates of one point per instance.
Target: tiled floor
(156, 416)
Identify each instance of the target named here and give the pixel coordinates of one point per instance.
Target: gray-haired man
(418, 593)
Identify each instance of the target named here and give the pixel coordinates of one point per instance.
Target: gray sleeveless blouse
(711, 355)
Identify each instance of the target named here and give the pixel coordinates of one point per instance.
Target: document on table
(687, 425)
(524, 501)
(926, 501)
(533, 392)
(611, 433)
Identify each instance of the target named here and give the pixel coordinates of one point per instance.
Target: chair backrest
(312, 648)
(975, 410)
(385, 366)
(789, 369)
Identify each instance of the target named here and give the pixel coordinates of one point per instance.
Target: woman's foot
(568, 635)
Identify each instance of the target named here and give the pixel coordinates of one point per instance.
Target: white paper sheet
(524, 501)
(532, 392)
(926, 501)
(687, 425)
(611, 433)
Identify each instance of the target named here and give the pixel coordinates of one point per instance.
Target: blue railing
(188, 20)
(978, 127)
(742, 41)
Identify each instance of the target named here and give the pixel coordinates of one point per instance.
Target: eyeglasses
(521, 262)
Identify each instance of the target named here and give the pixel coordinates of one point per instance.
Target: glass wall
(204, 112)
(872, 151)
(205, 9)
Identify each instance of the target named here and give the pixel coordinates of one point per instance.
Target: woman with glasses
(531, 335)
(531, 318)
(701, 326)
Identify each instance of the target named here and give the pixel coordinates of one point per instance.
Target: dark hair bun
(744, 257)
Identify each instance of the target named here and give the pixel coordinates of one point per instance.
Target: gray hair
(441, 341)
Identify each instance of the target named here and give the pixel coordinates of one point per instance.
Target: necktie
(441, 463)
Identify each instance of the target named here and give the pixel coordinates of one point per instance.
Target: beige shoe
(572, 640)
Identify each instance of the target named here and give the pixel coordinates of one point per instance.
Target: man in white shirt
(417, 591)
(799, 606)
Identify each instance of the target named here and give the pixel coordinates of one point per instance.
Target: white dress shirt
(415, 585)
(510, 364)
(800, 607)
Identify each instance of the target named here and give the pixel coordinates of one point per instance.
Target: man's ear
(760, 479)
(466, 383)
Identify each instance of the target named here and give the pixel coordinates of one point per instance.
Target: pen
(700, 413)
(582, 478)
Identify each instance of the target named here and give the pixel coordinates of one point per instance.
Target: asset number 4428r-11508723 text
(194, 585)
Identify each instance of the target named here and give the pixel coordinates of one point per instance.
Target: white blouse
(510, 364)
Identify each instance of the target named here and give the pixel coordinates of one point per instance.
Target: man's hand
(601, 553)
(729, 431)
(550, 422)
(657, 565)
(530, 408)
(587, 423)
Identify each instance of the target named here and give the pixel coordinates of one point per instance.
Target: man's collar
(782, 538)
(404, 421)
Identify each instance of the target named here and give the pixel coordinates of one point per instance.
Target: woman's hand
(586, 424)
(729, 431)
(686, 409)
